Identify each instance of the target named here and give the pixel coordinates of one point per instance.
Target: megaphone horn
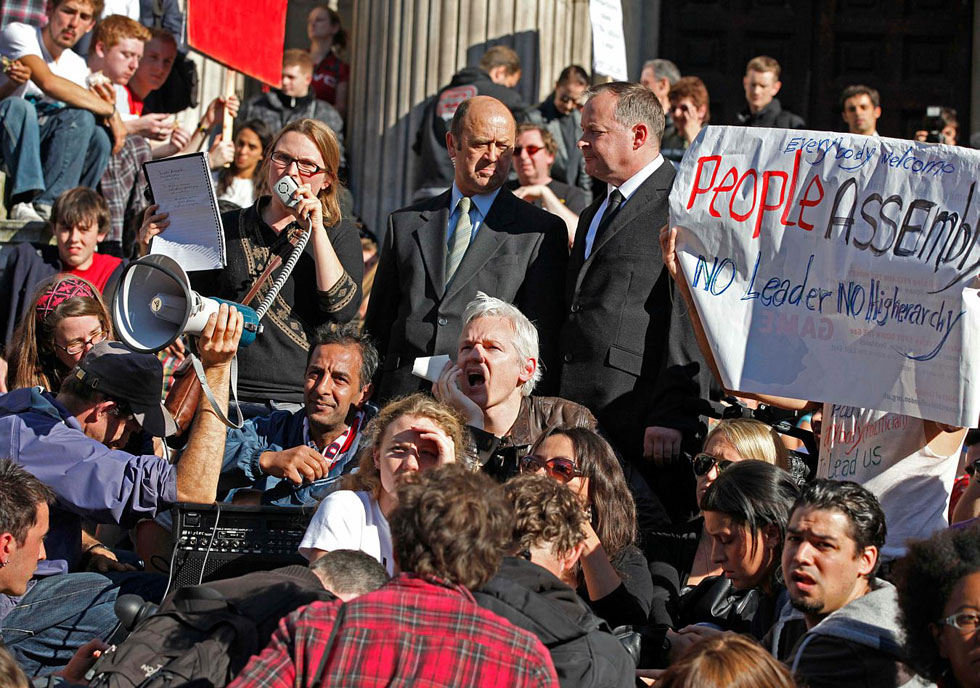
(154, 304)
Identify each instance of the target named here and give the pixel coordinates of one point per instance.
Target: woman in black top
(614, 580)
(324, 287)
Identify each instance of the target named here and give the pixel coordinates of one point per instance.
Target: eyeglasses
(305, 167)
(965, 622)
(560, 468)
(703, 463)
(531, 150)
(78, 346)
(566, 98)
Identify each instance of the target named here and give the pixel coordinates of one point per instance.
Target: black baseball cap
(137, 379)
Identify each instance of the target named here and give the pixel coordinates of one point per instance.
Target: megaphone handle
(199, 371)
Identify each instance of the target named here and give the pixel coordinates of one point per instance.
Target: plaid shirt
(413, 631)
(24, 11)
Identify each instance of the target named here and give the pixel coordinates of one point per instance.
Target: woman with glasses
(938, 584)
(324, 286)
(67, 319)
(614, 578)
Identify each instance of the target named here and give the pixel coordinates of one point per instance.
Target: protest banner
(608, 40)
(244, 35)
(835, 267)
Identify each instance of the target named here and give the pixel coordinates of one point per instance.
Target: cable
(214, 533)
(283, 275)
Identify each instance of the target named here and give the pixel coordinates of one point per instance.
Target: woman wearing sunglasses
(614, 578)
(67, 319)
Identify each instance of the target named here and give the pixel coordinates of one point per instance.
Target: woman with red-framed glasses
(614, 577)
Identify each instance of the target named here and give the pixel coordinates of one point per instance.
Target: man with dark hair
(424, 627)
(24, 502)
(349, 573)
(841, 626)
(659, 76)
(476, 236)
(861, 107)
(496, 76)
(561, 113)
(763, 109)
(628, 351)
(298, 457)
(530, 589)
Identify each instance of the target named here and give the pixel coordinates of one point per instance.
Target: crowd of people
(571, 498)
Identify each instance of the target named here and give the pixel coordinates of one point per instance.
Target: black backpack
(204, 635)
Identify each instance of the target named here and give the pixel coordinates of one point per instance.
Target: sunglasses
(559, 468)
(703, 463)
(531, 150)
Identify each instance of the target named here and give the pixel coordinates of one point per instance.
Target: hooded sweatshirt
(861, 644)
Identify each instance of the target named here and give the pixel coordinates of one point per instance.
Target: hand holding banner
(836, 267)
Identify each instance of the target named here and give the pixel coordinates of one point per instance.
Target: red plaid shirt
(24, 11)
(413, 631)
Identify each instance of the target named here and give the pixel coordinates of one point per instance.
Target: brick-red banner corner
(246, 35)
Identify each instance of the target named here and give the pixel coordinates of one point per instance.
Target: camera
(284, 189)
(933, 124)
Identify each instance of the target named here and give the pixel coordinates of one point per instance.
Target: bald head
(481, 144)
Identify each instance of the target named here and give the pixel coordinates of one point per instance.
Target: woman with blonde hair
(325, 284)
(66, 319)
(411, 434)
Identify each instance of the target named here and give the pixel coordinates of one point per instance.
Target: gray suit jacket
(519, 255)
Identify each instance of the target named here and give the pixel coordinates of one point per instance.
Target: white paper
(183, 188)
(835, 267)
(608, 41)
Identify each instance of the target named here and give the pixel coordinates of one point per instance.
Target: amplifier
(216, 541)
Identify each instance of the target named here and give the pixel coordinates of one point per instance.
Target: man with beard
(298, 457)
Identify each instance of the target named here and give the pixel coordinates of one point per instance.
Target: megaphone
(154, 304)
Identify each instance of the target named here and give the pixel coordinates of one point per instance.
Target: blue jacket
(89, 479)
(273, 433)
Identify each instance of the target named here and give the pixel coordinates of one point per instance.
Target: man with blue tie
(476, 236)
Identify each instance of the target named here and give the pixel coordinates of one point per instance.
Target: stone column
(402, 51)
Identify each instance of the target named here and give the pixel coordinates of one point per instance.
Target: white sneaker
(24, 212)
(44, 211)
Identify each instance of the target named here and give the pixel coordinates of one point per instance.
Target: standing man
(476, 236)
(628, 349)
(761, 82)
(861, 107)
(659, 76)
(561, 112)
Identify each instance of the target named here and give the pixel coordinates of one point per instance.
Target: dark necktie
(615, 200)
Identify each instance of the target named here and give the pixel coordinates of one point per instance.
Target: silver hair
(663, 69)
(525, 333)
(634, 104)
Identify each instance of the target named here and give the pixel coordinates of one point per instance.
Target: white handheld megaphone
(154, 304)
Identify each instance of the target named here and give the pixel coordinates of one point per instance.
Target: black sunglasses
(703, 463)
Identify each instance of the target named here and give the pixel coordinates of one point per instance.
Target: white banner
(608, 41)
(836, 268)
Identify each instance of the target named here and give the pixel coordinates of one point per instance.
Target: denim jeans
(21, 148)
(74, 151)
(62, 613)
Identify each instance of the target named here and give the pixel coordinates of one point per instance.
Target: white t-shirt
(350, 520)
(888, 454)
(18, 40)
(241, 191)
(128, 8)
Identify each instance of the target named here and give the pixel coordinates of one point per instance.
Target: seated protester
(449, 528)
(918, 458)
(613, 576)
(67, 319)
(79, 221)
(24, 504)
(297, 458)
(745, 514)
(72, 442)
(534, 154)
(411, 434)
(724, 661)
(60, 119)
(491, 383)
(841, 624)
(348, 573)
(938, 584)
(680, 557)
(323, 287)
(117, 46)
(240, 183)
(528, 590)
(294, 100)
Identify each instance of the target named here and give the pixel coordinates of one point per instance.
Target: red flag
(246, 35)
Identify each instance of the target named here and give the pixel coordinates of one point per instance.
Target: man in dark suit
(628, 354)
(477, 236)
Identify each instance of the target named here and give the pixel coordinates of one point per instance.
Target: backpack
(204, 635)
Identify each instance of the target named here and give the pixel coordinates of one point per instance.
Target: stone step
(15, 231)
